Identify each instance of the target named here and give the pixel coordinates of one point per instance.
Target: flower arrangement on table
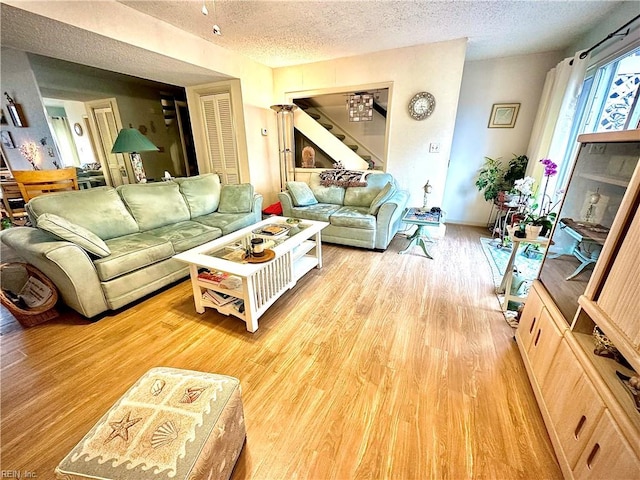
(534, 214)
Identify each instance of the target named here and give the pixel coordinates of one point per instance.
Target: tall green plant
(491, 178)
(495, 177)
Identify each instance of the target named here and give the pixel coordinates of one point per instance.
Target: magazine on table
(218, 298)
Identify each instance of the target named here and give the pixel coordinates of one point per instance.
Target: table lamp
(131, 141)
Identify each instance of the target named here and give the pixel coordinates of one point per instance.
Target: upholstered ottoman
(171, 424)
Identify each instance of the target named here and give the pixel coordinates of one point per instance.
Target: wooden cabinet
(574, 405)
(529, 319)
(592, 419)
(607, 455)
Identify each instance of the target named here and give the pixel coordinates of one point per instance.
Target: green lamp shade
(131, 140)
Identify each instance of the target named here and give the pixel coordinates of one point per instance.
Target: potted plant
(494, 177)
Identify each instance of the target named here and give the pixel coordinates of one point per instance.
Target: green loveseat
(106, 247)
(359, 216)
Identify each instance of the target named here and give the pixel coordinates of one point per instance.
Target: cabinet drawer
(572, 402)
(544, 343)
(608, 455)
(529, 319)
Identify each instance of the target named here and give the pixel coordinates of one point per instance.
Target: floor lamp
(284, 118)
(131, 141)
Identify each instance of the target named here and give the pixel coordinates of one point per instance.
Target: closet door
(220, 136)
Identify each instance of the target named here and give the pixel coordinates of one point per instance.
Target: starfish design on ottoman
(121, 428)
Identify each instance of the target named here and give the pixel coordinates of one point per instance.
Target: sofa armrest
(64, 263)
(256, 208)
(389, 217)
(287, 204)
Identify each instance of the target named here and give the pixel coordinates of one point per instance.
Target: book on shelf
(218, 298)
(220, 279)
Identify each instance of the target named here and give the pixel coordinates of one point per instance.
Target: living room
(423, 381)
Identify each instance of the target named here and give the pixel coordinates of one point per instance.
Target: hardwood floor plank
(377, 366)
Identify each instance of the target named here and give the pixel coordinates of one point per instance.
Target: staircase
(372, 161)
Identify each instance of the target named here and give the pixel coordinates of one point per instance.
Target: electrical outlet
(434, 147)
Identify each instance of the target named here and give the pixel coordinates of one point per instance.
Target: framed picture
(17, 117)
(7, 141)
(503, 115)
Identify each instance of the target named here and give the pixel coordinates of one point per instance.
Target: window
(611, 103)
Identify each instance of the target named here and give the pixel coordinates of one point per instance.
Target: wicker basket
(29, 317)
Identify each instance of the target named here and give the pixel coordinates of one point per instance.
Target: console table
(587, 241)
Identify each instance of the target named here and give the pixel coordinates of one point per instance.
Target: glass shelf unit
(603, 168)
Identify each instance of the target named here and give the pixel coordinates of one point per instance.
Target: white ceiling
(280, 33)
(284, 33)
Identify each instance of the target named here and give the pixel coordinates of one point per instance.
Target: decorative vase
(532, 231)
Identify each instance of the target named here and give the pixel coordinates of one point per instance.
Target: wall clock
(422, 105)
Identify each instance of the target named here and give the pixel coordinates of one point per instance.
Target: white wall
(517, 79)
(435, 68)
(114, 20)
(18, 81)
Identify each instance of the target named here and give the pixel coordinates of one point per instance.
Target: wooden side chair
(33, 183)
(12, 200)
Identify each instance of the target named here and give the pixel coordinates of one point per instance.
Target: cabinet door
(545, 341)
(529, 319)
(572, 402)
(608, 455)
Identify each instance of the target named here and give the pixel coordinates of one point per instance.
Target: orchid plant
(537, 214)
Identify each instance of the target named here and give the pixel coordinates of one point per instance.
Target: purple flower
(550, 168)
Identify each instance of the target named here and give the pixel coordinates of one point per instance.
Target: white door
(105, 120)
(220, 136)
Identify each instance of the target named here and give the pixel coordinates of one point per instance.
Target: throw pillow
(385, 194)
(236, 198)
(71, 232)
(301, 194)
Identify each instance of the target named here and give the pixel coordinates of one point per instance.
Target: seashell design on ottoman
(164, 435)
(192, 394)
(157, 387)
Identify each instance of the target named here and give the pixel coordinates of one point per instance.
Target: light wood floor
(380, 366)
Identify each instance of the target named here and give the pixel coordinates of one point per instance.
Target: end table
(422, 219)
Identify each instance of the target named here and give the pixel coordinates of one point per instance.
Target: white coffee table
(262, 283)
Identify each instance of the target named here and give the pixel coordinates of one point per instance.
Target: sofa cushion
(301, 194)
(236, 198)
(354, 217)
(202, 193)
(69, 231)
(99, 210)
(385, 194)
(186, 235)
(363, 196)
(154, 205)
(132, 252)
(227, 222)
(320, 212)
(332, 194)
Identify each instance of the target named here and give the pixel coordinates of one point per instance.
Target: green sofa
(359, 216)
(106, 247)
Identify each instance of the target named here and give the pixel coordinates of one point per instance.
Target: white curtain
(551, 131)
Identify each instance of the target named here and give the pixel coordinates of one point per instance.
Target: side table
(505, 285)
(422, 219)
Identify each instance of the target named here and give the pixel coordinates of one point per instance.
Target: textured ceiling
(283, 33)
